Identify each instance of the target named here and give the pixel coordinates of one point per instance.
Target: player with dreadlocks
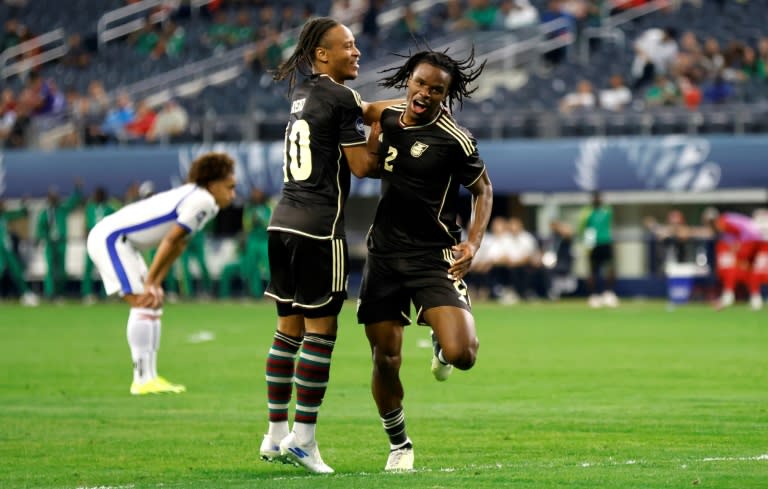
(415, 251)
(308, 258)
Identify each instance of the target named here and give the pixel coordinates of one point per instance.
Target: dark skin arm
(363, 159)
(482, 201)
(372, 110)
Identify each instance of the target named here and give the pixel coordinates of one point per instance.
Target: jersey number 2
(391, 155)
(297, 158)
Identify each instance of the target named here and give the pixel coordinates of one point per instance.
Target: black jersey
(422, 168)
(325, 116)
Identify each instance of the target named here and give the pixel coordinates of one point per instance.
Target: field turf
(561, 397)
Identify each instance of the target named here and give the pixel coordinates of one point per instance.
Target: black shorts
(308, 276)
(600, 255)
(391, 284)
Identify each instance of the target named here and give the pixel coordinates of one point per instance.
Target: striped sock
(394, 425)
(312, 371)
(280, 366)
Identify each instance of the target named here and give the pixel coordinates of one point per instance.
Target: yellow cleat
(158, 385)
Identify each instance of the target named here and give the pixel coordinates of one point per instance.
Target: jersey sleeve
(473, 167)
(351, 129)
(196, 210)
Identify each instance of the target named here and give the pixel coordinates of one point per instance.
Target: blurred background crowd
(162, 72)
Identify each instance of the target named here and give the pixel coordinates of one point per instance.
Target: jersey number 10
(297, 158)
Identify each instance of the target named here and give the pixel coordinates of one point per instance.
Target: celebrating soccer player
(415, 252)
(308, 258)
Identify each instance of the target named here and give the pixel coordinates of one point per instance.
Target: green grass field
(561, 396)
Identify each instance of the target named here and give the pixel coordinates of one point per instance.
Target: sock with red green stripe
(280, 367)
(312, 372)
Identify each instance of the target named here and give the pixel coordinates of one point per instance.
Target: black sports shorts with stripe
(390, 284)
(308, 276)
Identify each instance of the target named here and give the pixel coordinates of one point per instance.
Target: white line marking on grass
(735, 459)
(201, 337)
(107, 487)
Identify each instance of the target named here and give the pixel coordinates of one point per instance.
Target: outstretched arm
(372, 110)
(482, 202)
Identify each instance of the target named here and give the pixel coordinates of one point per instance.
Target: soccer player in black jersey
(415, 251)
(324, 142)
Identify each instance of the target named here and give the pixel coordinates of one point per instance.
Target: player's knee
(464, 357)
(386, 361)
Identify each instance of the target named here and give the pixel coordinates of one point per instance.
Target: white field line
(497, 466)
(611, 462)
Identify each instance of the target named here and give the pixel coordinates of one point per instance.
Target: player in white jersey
(164, 220)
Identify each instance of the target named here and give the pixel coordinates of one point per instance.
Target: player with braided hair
(415, 250)
(324, 143)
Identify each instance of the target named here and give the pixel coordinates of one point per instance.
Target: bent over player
(165, 220)
(415, 252)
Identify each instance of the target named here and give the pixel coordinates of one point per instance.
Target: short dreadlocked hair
(461, 71)
(303, 56)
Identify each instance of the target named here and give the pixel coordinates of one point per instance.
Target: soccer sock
(280, 366)
(312, 372)
(394, 425)
(155, 343)
(139, 333)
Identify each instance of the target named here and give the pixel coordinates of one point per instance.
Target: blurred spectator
(663, 92)
(267, 53)
(171, 121)
(113, 127)
(407, 27)
(243, 31)
(9, 260)
(513, 14)
(11, 34)
(481, 15)
(713, 59)
(582, 98)
(288, 20)
(218, 35)
(617, 96)
(7, 112)
(596, 226)
(370, 24)
(555, 11)
(690, 93)
(145, 39)
(558, 260)
(733, 62)
(753, 67)
(170, 41)
(675, 243)
(77, 56)
(143, 120)
(655, 50)
(718, 91)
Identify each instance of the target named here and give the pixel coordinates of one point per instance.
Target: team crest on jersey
(200, 216)
(418, 149)
(359, 126)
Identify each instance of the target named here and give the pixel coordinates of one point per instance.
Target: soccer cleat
(756, 302)
(158, 385)
(610, 299)
(440, 370)
(30, 299)
(307, 456)
(270, 450)
(595, 301)
(400, 460)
